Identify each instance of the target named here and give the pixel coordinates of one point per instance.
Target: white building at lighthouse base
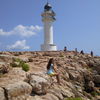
(48, 47)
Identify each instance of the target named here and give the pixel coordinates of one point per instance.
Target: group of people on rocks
(81, 52)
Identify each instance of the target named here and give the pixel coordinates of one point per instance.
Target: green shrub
(73, 98)
(94, 93)
(19, 63)
(18, 60)
(25, 67)
(14, 64)
(61, 56)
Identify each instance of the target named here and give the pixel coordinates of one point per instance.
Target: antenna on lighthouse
(47, 1)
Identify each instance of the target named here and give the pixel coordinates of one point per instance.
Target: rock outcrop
(79, 76)
(39, 84)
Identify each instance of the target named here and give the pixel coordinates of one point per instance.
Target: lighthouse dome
(47, 7)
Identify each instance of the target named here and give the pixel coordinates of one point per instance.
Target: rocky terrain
(79, 76)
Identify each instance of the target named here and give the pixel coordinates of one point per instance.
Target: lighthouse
(48, 17)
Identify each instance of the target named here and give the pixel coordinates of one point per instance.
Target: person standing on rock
(91, 53)
(51, 70)
(65, 48)
(82, 52)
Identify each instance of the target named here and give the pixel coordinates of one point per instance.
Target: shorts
(50, 73)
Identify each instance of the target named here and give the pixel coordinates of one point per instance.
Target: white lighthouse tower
(48, 17)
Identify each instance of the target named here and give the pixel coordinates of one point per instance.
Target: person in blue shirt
(51, 70)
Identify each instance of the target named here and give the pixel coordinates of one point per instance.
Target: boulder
(4, 68)
(83, 63)
(66, 91)
(74, 75)
(97, 79)
(97, 68)
(25, 60)
(18, 91)
(56, 92)
(89, 87)
(39, 84)
(49, 96)
(17, 74)
(36, 97)
(2, 94)
(5, 58)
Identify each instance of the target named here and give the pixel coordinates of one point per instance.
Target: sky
(77, 25)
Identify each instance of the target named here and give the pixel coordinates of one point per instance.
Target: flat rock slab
(18, 91)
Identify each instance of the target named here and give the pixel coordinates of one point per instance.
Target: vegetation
(14, 64)
(73, 98)
(94, 93)
(19, 63)
(89, 69)
(17, 60)
(61, 56)
(25, 67)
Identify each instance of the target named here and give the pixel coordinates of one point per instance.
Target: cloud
(19, 45)
(25, 31)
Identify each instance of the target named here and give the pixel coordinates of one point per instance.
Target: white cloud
(19, 45)
(25, 31)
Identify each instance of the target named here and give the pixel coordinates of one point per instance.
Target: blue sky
(77, 24)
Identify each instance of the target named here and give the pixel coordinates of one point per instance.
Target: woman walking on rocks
(51, 70)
